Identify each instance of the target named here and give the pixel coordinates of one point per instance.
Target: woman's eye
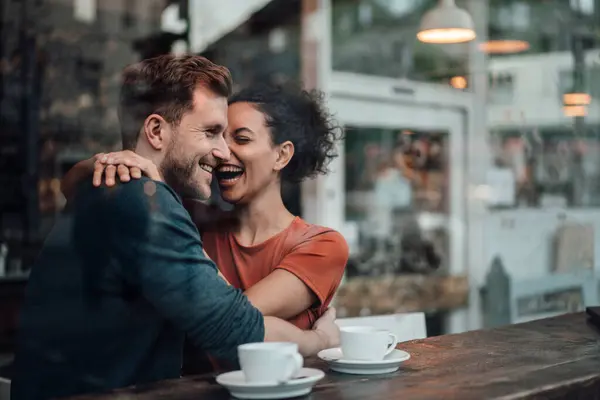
(241, 139)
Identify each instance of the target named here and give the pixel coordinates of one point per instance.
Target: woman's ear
(156, 131)
(284, 155)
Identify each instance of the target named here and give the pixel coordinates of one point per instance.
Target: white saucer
(236, 383)
(336, 361)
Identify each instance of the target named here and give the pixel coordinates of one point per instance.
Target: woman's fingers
(135, 172)
(135, 164)
(127, 158)
(109, 175)
(98, 172)
(123, 172)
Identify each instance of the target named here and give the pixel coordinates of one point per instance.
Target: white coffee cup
(273, 362)
(366, 343)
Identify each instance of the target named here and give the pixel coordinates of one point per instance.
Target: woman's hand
(126, 164)
(327, 329)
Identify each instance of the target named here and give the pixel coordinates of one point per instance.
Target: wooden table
(554, 358)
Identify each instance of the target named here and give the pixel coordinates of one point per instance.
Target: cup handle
(294, 363)
(392, 345)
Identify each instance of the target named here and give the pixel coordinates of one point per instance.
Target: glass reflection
(394, 178)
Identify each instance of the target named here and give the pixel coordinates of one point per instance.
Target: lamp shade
(446, 23)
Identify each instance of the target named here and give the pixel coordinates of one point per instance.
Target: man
(123, 276)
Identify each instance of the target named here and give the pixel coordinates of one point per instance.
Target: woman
(287, 267)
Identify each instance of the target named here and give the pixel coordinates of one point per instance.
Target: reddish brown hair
(165, 85)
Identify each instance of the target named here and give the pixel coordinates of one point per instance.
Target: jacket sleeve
(160, 252)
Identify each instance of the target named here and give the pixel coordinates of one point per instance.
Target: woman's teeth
(229, 173)
(230, 168)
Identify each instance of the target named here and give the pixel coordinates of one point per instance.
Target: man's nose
(221, 151)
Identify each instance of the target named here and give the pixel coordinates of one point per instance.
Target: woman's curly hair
(299, 116)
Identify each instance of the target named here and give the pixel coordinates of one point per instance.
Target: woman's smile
(228, 175)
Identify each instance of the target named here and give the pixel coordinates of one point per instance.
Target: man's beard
(179, 173)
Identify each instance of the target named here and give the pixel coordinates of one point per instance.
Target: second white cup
(366, 343)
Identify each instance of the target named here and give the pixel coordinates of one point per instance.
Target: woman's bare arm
(75, 175)
(281, 294)
(305, 278)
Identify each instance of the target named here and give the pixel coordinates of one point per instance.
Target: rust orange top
(315, 254)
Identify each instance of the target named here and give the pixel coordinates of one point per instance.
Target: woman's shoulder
(305, 233)
(317, 247)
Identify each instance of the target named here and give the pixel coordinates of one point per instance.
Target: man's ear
(156, 131)
(284, 155)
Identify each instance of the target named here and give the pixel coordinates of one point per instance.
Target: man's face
(197, 146)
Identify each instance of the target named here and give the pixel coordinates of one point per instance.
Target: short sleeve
(319, 260)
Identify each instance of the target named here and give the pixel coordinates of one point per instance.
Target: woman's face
(255, 161)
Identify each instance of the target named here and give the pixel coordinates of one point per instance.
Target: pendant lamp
(446, 23)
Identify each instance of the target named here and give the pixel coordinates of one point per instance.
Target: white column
(322, 197)
(478, 162)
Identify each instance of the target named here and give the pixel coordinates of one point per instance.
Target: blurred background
(468, 182)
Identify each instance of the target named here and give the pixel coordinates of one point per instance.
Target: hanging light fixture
(458, 82)
(574, 111)
(505, 46)
(576, 99)
(446, 23)
(575, 104)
